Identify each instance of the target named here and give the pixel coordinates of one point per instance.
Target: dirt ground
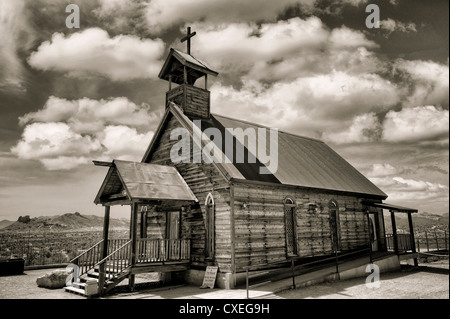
(429, 281)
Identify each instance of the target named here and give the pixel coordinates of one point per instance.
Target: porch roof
(391, 207)
(128, 181)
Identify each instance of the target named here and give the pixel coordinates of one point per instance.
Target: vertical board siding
(202, 179)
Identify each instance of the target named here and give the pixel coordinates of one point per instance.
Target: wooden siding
(260, 226)
(202, 179)
(193, 100)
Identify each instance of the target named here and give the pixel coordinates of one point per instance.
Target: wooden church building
(190, 214)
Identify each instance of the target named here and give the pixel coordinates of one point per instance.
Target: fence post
(426, 239)
(437, 242)
(445, 240)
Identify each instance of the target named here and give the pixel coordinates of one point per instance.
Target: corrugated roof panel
(309, 162)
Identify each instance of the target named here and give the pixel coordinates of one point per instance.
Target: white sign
(210, 277)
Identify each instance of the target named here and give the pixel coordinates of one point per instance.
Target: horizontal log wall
(202, 179)
(193, 100)
(260, 226)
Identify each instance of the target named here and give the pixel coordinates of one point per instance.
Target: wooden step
(75, 290)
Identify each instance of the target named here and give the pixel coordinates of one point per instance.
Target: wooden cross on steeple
(188, 38)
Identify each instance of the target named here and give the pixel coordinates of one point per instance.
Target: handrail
(113, 253)
(295, 258)
(120, 261)
(85, 252)
(86, 260)
(292, 261)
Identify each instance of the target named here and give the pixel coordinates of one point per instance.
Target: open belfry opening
(182, 70)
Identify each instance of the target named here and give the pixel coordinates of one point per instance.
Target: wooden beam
(101, 163)
(394, 232)
(413, 241)
(133, 227)
(105, 231)
(116, 202)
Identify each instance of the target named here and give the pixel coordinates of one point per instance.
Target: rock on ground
(55, 279)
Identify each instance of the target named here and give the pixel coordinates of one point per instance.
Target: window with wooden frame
(210, 226)
(290, 221)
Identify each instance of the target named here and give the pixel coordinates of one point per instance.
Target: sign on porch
(210, 277)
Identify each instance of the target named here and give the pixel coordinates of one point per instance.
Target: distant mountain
(5, 223)
(69, 221)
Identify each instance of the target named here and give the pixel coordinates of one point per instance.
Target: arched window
(210, 226)
(290, 222)
(334, 224)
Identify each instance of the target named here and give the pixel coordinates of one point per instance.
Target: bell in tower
(184, 70)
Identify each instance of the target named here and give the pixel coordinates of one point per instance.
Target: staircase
(95, 276)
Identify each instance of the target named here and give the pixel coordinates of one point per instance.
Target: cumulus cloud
(428, 81)
(364, 128)
(284, 50)
(16, 35)
(382, 170)
(67, 133)
(416, 124)
(88, 115)
(318, 103)
(162, 14)
(410, 190)
(93, 51)
(389, 25)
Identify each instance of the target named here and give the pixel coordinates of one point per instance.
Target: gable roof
(308, 162)
(302, 161)
(130, 181)
(174, 66)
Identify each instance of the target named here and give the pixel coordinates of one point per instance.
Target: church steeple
(183, 69)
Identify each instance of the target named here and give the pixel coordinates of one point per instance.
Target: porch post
(413, 241)
(105, 231)
(394, 231)
(133, 231)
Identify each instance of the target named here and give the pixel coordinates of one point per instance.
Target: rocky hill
(5, 223)
(69, 221)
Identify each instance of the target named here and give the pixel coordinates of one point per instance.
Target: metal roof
(305, 162)
(143, 181)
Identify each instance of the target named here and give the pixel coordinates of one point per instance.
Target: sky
(378, 96)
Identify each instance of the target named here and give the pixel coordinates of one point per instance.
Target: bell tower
(182, 70)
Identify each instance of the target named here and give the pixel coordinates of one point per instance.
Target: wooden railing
(159, 250)
(404, 242)
(114, 264)
(87, 260)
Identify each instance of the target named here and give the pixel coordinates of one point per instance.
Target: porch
(150, 190)
(402, 244)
